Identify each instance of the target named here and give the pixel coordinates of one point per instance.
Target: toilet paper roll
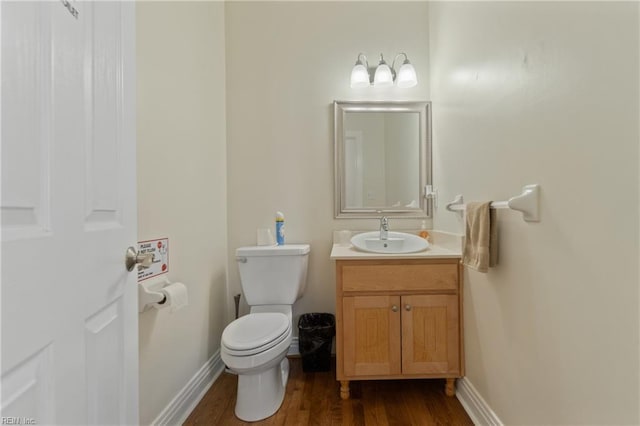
(176, 295)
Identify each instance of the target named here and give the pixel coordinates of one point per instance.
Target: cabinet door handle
(394, 308)
(407, 307)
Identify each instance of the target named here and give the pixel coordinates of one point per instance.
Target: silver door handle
(132, 259)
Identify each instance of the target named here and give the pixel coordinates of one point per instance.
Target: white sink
(396, 243)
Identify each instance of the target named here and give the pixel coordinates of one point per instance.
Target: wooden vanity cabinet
(399, 318)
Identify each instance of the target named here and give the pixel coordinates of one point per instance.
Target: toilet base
(260, 395)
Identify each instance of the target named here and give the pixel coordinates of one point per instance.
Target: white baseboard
(186, 400)
(475, 406)
(294, 348)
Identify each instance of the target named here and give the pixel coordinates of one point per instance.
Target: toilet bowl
(255, 346)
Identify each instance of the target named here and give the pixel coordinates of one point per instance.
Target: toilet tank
(273, 275)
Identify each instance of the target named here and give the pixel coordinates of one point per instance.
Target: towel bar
(527, 203)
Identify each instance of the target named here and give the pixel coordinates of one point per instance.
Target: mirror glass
(382, 159)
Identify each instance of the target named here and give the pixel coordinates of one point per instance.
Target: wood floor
(313, 399)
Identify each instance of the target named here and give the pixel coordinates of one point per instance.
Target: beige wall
(546, 93)
(182, 186)
(286, 63)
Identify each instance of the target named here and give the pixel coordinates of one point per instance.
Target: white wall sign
(159, 249)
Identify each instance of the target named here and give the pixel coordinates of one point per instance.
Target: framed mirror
(382, 159)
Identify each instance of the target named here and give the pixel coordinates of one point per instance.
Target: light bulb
(359, 76)
(407, 75)
(383, 76)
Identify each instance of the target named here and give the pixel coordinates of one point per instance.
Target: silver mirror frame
(423, 108)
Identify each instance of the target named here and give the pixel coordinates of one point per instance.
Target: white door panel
(26, 121)
(69, 314)
(104, 137)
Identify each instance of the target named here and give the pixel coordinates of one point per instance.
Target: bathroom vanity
(398, 316)
(398, 303)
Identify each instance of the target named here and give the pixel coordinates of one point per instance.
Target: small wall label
(159, 249)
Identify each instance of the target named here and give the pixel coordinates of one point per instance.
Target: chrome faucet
(384, 228)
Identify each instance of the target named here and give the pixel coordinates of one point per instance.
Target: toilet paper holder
(149, 293)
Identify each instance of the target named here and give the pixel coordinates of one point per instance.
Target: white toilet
(255, 345)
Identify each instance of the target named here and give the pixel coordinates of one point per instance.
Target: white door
(69, 321)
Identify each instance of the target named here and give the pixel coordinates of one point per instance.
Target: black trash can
(315, 335)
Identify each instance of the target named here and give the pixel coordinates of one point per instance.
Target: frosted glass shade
(406, 76)
(359, 76)
(383, 76)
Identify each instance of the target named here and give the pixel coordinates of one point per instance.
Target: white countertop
(444, 245)
(339, 251)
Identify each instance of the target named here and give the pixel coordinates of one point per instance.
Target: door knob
(132, 259)
(394, 308)
(407, 307)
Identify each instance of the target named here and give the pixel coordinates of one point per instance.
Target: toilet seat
(255, 333)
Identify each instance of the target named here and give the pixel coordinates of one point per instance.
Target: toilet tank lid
(285, 250)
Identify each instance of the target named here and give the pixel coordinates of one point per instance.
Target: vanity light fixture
(384, 74)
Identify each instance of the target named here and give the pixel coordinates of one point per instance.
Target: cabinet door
(371, 335)
(430, 334)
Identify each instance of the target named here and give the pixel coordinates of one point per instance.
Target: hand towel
(481, 237)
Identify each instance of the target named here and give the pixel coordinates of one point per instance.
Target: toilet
(255, 346)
